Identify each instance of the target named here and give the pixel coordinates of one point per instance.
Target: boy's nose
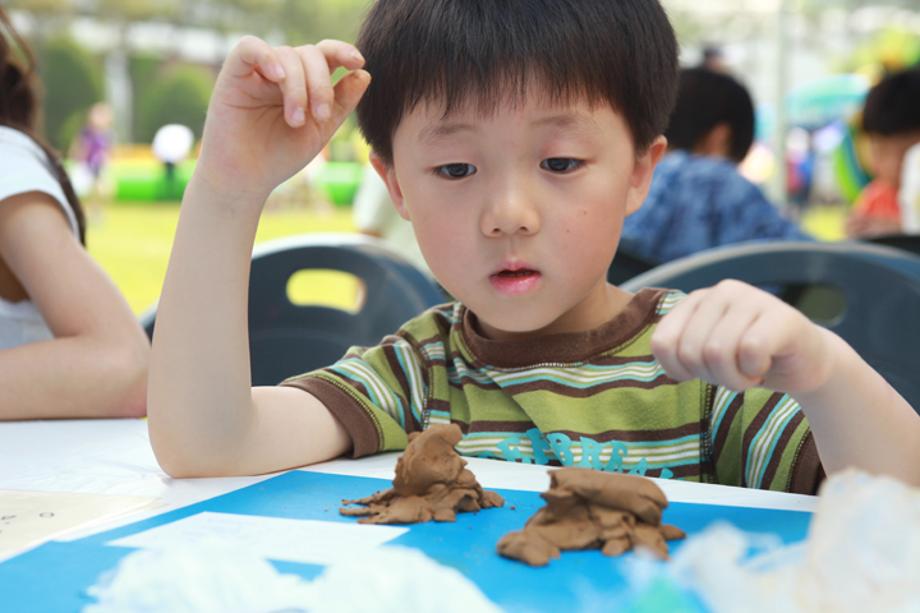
(508, 213)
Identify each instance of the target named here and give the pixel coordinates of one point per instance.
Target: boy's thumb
(348, 92)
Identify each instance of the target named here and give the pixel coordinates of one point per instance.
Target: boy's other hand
(738, 336)
(273, 109)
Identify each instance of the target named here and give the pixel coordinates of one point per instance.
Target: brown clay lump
(432, 483)
(589, 509)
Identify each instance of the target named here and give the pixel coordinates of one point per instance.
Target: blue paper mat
(55, 576)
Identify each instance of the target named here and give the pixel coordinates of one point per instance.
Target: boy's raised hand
(738, 336)
(273, 109)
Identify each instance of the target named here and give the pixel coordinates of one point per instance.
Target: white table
(114, 457)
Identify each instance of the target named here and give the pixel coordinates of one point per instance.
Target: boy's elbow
(177, 455)
(175, 465)
(181, 463)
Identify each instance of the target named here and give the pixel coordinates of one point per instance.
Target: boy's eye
(455, 171)
(561, 164)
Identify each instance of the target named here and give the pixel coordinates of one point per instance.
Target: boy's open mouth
(515, 281)
(522, 272)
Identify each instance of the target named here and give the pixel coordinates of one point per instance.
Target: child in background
(515, 136)
(69, 344)
(891, 120)
(698, 199)
(91, 150)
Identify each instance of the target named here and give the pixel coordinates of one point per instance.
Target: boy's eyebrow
(431, 134)
(578, 121)
(561, 120)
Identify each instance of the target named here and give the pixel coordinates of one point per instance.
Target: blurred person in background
(69, 344)
(698, 199)
(713, 58)
(891, 120)
(91, 150)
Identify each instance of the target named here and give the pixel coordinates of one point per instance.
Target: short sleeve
(761, 439)
(378, 394)
(26, 169)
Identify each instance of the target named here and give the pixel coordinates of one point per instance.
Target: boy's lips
(515, 278)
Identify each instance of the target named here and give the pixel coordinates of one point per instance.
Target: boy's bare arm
(273, 109)
(740, 337)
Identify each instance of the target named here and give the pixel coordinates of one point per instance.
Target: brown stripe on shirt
(807, 471)
(777, 456)
(586, 392)
(759, 420)
(725, 426)
(389, 352)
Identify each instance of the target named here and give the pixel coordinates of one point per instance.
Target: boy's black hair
(893, 105)
(617, 52)
(705, 99)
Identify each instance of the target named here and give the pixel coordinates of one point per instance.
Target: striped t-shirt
(598, 399)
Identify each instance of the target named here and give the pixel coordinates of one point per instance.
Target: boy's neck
(605, 304)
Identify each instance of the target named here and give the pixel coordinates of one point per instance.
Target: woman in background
(69, 344)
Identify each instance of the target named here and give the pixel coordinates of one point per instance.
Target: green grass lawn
(132, 243)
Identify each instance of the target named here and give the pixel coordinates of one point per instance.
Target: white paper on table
(294, 540)
(29, 518)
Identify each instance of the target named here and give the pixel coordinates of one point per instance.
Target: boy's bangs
(502, 85)
(491, 53)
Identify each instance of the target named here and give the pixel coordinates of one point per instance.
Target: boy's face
(887, 155)
(518, 213)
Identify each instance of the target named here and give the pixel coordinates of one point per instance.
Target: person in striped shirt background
(515, 136)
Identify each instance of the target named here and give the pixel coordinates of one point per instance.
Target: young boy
(515, 136)
(892, 122)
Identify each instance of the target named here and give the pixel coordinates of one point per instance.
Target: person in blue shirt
(698, 199)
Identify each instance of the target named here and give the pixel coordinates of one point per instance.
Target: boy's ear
(388, 173)
(642, 174)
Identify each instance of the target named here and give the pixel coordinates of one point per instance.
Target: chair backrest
(286, 339)
(880, 287)
(906, 242)
(625, 266)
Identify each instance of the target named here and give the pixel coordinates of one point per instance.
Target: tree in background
(890, 50)
(179, 94)
(72, 82)
(303, 22)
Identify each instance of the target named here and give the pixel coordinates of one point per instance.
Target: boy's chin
(507, 326)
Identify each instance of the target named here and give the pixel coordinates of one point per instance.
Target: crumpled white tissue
(862, 554)
(396, 580)
(211, 577)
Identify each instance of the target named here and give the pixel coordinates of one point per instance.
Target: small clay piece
(432, 482)
(589, 509)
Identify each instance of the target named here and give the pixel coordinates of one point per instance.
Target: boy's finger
(318, 80)
(757, 346)
(293, 86)
(666, 338)
(721, 351)
(253, 53)
(338, 53)
(699, 330)
(348, 92)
